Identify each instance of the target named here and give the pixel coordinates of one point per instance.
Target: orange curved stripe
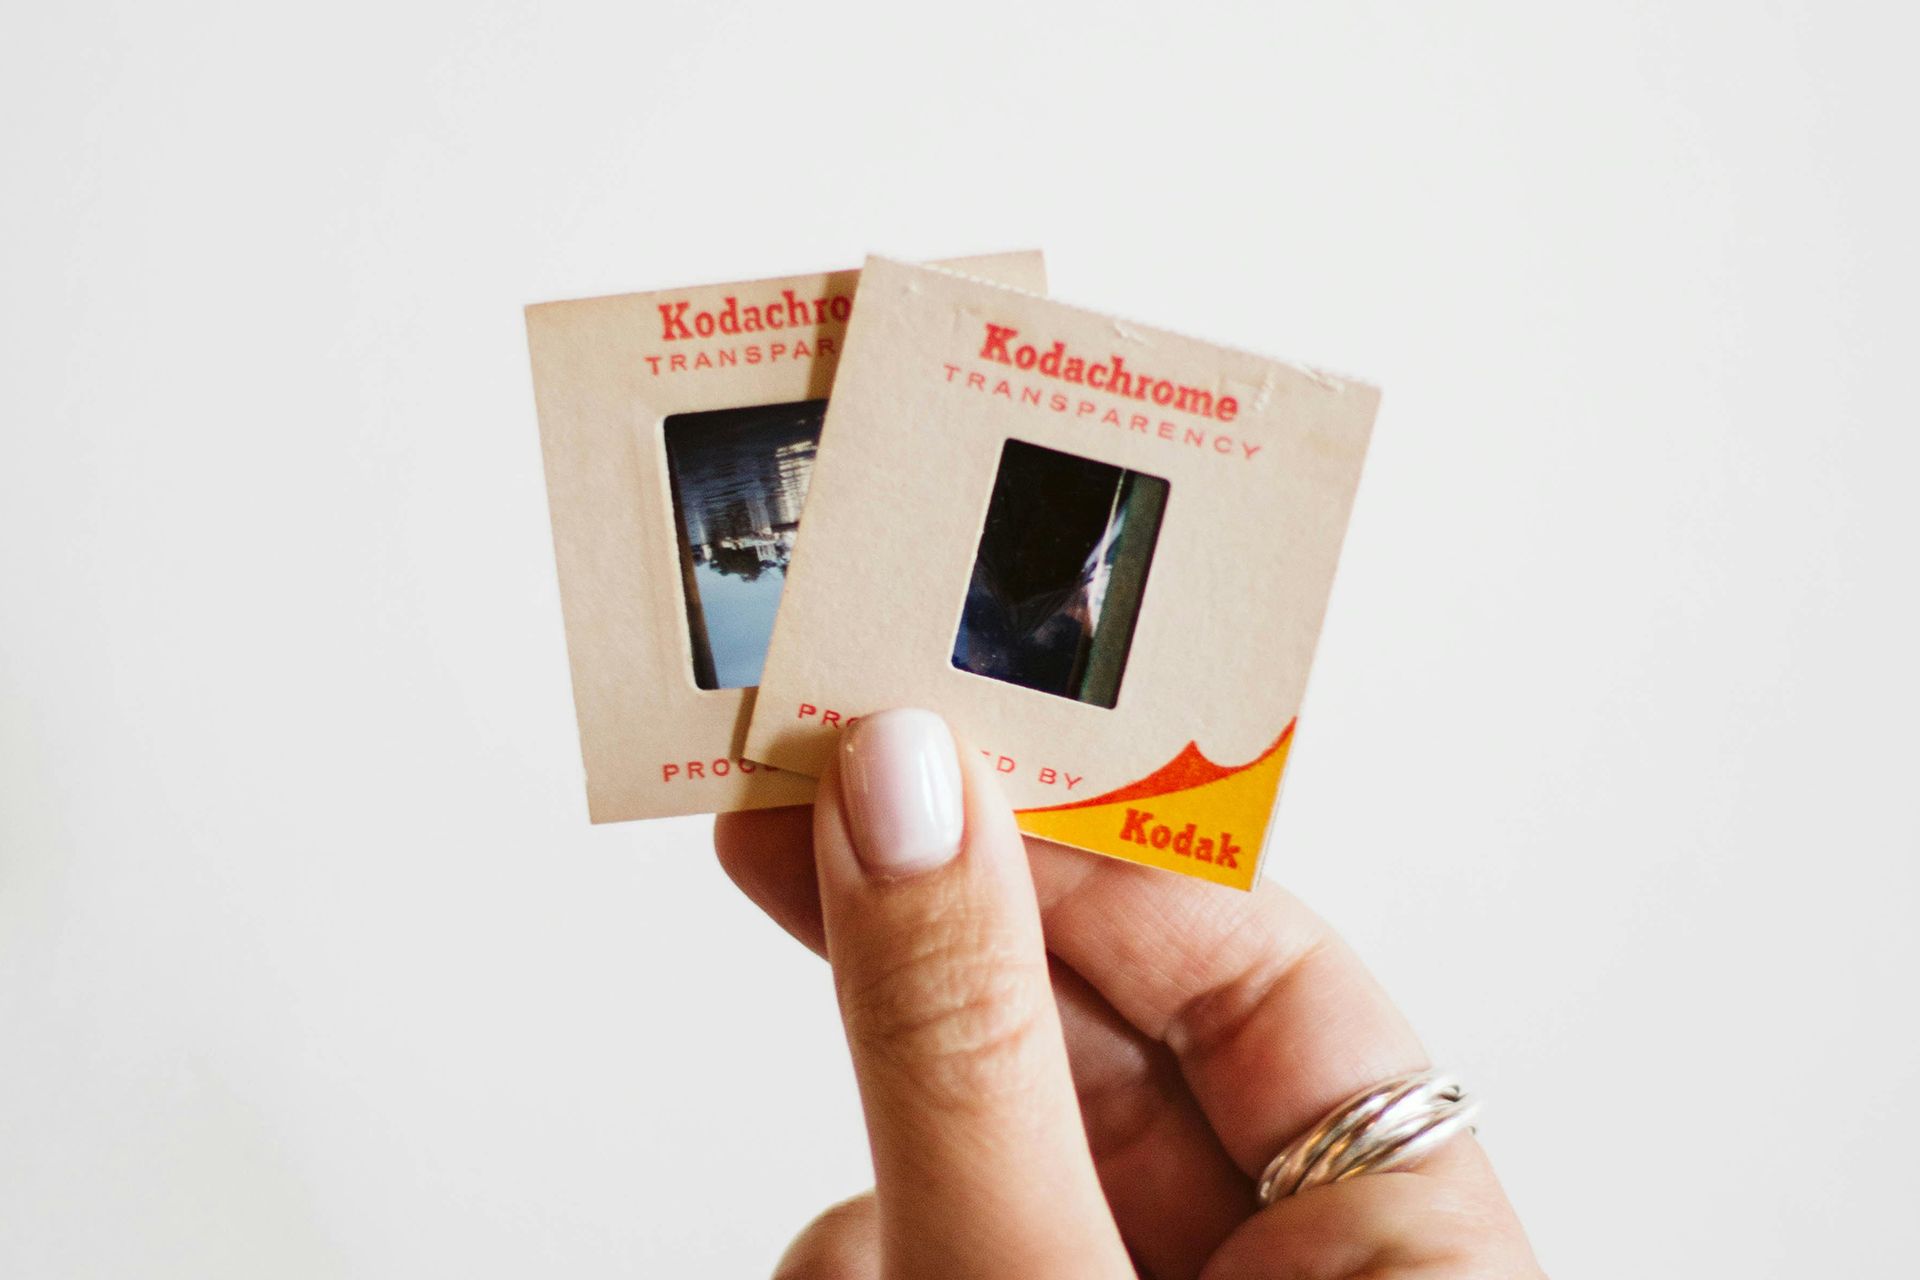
(1189, 769)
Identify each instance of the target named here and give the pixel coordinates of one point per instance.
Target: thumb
(980, 1160)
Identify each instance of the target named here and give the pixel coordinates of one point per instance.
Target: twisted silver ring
(1386, 1127)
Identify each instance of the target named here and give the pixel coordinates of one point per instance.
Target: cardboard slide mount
(607, 374)
(1261, 462)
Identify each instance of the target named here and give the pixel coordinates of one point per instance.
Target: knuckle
(959, 1016)
(841, 1244)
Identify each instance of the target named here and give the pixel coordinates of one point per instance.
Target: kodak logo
(1140, 828)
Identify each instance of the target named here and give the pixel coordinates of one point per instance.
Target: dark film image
(739, 477)
(1057, 581)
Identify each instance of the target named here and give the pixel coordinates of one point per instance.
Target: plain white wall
(309, 963)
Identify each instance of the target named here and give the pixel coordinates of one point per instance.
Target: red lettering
(717, 768)
(1194, 400)
(1055, 361)
(787, 312)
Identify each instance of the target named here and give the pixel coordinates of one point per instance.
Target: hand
(1074, 1066)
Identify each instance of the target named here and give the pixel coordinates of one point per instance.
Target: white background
(309, 962)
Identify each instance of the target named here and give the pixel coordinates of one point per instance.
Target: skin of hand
(1075, 1066)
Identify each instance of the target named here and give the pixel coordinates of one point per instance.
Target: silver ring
(1386, 1127)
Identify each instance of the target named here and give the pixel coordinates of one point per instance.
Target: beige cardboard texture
(607, 372)
(1262, 461)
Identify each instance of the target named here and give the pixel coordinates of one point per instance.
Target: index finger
(1274, 1020)
(1272, 1017)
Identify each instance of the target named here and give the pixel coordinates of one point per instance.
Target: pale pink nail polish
(900, 781)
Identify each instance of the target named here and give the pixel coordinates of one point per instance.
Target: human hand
(1074, 1066)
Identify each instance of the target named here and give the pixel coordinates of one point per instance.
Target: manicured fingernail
(900, 780)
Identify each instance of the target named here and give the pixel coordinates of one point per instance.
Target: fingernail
(900, 780)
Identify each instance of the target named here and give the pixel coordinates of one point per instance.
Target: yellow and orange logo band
(1190, 815)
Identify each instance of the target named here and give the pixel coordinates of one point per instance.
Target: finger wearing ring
(1388, 1126)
